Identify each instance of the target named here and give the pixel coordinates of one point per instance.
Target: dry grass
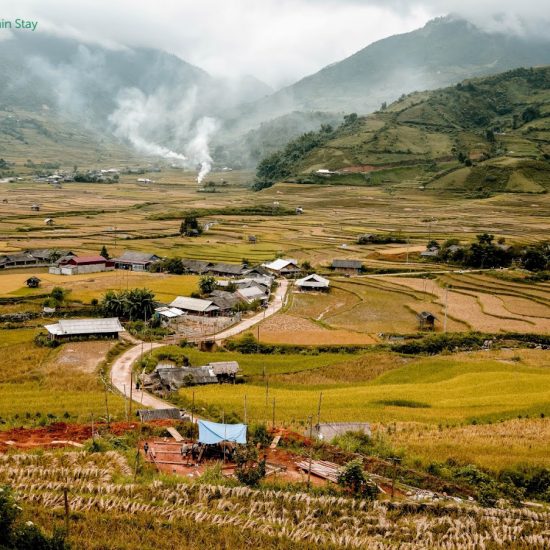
(496, 446)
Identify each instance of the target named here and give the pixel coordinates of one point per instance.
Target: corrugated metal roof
(330, 431)
(279, 264)
(232, 269)
(194, 304)
(159, 414)
(224, 367)
(313, 280)
(130, 256)
(86, 260)
(347, 264)
(170, 312)
(73, 327)
(252, 293)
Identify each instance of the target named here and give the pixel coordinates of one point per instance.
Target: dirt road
(121, 369)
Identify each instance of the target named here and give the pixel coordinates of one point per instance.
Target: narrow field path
(122, 367)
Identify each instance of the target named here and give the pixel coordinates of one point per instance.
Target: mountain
(138, 95)
(480, 136)
(445, 51)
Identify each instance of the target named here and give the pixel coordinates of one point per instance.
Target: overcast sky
(278, 41)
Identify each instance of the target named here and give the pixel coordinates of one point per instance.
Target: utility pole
(266, 391)
(67, 511)
(131, 390)
(319, 410)
(245, 415)
(106, 403)
(446, 305)
(125, 403)
(273, 421)
(310, 458)
(193, 408)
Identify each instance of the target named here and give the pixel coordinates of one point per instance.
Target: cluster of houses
(230, 296)
(168, 377)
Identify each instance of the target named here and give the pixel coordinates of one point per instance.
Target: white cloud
(276, 40)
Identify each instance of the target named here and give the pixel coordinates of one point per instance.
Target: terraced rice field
(453, 389)
(270, 518)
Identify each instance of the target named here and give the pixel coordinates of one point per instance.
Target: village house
(226, 301)
(168, 314)
(90, 328)
(426, 320)
(283, 267)
(195, 306)
(35, 208)
(313, 282)
(431, 252)
(171, 378)
(19, 259)
(135, 261)
(49, 221)
(227, 270)
(198, 267)
(349, 267)
(252, 293)
(75, 265)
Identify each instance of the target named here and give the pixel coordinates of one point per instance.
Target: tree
(353, 479)
(249, 470)
(534, 260)
(207, 284)
(58, 295)
(307, 268)
(18, 535)
(490, 135)
(104, 253)
(190, 226)
(133, 304)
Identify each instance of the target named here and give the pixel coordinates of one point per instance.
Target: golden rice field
(85, 287)
(36, 382)
(125, 216)
(453, 389)
(495, 446)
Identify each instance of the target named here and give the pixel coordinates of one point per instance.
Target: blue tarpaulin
(211, 432)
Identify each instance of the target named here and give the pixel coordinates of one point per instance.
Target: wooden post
(67, 511)
(245, 415)
(273, 422)
(446, 304)
(106, 403)
(266, 392)
(125, 403)
(319, 409)
(310, 452)
(131, 389)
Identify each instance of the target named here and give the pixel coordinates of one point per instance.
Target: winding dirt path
(122, 367)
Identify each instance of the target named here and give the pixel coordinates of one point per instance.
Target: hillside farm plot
(486, 303)
(525, 441)
(85, 287)
(40, 385)
(445, 389)
(165, 514)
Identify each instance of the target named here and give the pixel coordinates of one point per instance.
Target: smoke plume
(146, 120)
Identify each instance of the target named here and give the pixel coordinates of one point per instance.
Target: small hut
(33, 282)
(35, 208)
(48, 221)
(426, 320)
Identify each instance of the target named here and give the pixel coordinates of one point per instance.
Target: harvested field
(288, 329)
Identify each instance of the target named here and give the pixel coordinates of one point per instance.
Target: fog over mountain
(116, 74)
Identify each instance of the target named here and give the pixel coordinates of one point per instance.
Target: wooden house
(426, 320)
(350, 267)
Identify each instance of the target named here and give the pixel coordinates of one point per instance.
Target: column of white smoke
(136, 112)
(198, 149)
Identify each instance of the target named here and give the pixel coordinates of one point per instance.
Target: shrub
(249, 470)
(353, 479)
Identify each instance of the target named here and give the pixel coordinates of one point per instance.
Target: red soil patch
(26, 438)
